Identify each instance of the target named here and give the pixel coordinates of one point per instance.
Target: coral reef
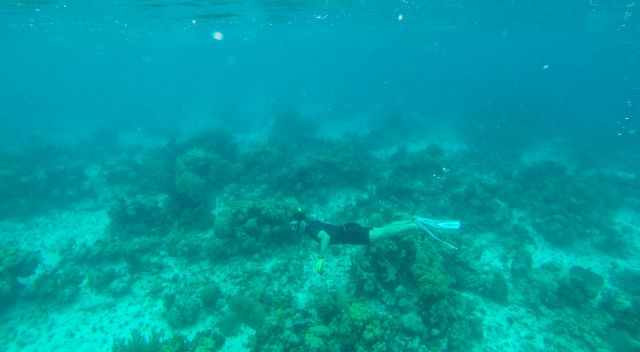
(139, 216)
(114, 281)
(41, 177)
(58, 286)
(156, 341)
(14, 264)
(356, 327)
(247, 227)
(198, 229)
(566, 208)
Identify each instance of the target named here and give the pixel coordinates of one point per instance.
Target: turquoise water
(154, 153)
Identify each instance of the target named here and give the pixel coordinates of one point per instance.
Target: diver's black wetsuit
(350, 233)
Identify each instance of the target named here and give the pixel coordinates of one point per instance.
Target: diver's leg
(394, 229)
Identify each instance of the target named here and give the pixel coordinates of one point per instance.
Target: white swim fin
(427, 225)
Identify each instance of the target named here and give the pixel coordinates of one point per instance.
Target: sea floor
(93, 321)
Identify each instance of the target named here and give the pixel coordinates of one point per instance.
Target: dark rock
(521, 265)
(586, 282)
(18, 263)
(7, 293)
(210, 296)
(622, 341)
(412, 324)
(139, 216)
(581, 287)
(627, 280)
(182, 311)
(496, 289)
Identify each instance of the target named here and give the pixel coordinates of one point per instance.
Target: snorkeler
(352, 233)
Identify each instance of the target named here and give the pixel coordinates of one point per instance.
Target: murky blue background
(537, 70)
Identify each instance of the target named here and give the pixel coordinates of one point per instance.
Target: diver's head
(299, 215)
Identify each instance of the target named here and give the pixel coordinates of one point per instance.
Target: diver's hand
(319, 267)
(298, 226)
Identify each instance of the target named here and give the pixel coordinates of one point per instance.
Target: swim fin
(427, 224)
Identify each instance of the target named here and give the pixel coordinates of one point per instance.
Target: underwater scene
(319, 175)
